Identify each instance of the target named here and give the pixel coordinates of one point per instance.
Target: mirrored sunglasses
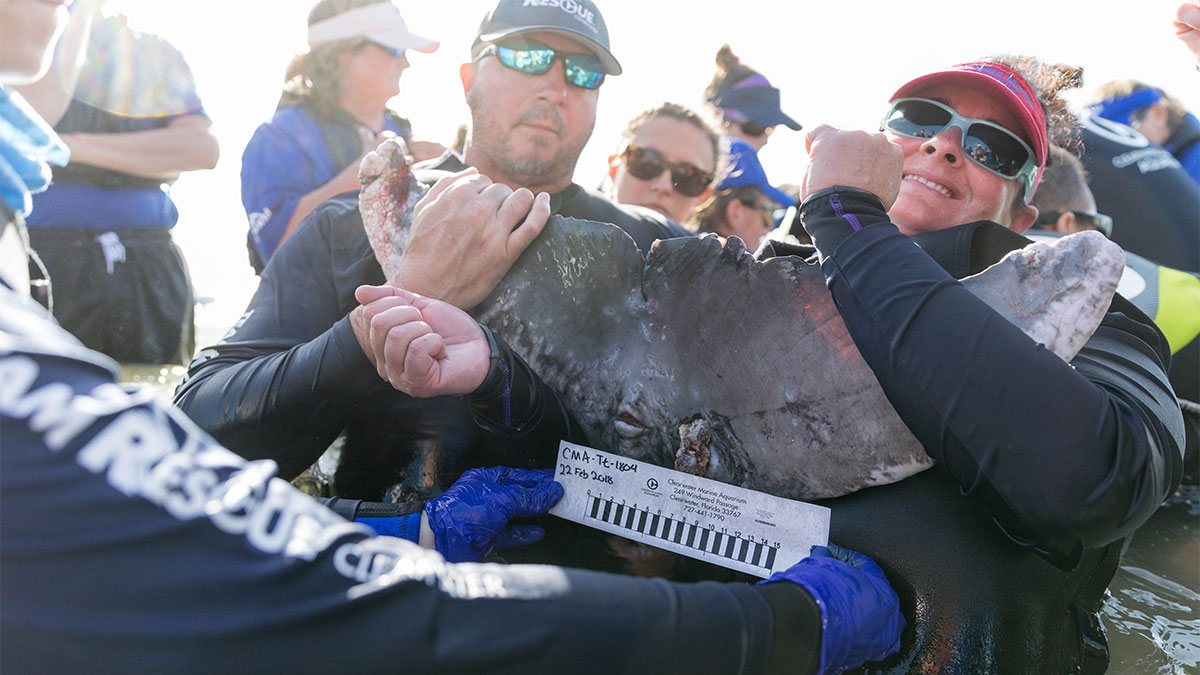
(579, 70)
(648, 164)
(985, 143)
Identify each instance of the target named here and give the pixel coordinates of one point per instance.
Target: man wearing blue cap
(744, 201)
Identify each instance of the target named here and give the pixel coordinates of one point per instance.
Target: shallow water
(1153, 610)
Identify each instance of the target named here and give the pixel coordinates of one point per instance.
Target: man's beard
(531, 170)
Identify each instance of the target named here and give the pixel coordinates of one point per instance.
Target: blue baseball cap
(740, 167)
(756, 100)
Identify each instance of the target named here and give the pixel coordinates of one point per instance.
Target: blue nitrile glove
(860, 613)
(471, 518)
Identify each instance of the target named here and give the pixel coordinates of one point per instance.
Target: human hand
(471, 518)
(421, 346)
(860, 613)
(466, 233)
(855, 159)
(1187, 26)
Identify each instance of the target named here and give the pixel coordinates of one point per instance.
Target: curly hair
(1049, 81)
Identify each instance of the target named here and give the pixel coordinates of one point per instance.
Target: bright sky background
(837, 62)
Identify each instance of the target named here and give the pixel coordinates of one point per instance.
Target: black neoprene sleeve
(1063, 456)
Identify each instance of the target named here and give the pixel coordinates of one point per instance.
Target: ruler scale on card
(722, 524)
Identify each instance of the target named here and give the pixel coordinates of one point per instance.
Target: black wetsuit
(1184, 144)
(1154, 203)
(134, 543)
(1000, 553)
(290, 375)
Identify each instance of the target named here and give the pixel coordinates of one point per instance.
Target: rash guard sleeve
(289, 376)
(1065, 457)
(133, 542)
(282, 383)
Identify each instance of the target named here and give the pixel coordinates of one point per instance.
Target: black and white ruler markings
(722, 524)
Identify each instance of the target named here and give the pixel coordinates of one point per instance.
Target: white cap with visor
(380, 22)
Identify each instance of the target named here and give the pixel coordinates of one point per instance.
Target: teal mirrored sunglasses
(579, 70)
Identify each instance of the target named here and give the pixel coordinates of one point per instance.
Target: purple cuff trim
(836, 201)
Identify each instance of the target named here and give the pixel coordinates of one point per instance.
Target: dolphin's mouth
(628, 426)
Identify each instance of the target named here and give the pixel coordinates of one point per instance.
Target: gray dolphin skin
(701, 357)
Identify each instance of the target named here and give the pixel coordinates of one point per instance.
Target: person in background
(744, 103)
(666, 162)
(1064, 202)
(296, 372)
(133, 542)
(1168, 296)
(1153, 202)
(744, 202)
(332, 112)
(460, 139)
(1159, 117)
(1002, 551)
(126, 106)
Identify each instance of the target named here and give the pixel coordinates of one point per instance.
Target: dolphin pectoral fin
(386, 201)
(1055, 292)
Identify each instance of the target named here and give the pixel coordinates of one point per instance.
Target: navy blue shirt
(130, 82)
(1154, 203)
(290, 156)
(134, 543)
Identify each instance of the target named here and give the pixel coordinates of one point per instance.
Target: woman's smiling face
(941, 188)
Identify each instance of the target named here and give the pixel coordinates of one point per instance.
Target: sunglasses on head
(985, 143)
(648, 164)
(1096, 221)
(579, 70)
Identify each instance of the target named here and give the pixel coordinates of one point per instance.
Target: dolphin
(700, 356)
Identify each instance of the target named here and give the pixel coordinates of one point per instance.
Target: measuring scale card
(716, 522)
